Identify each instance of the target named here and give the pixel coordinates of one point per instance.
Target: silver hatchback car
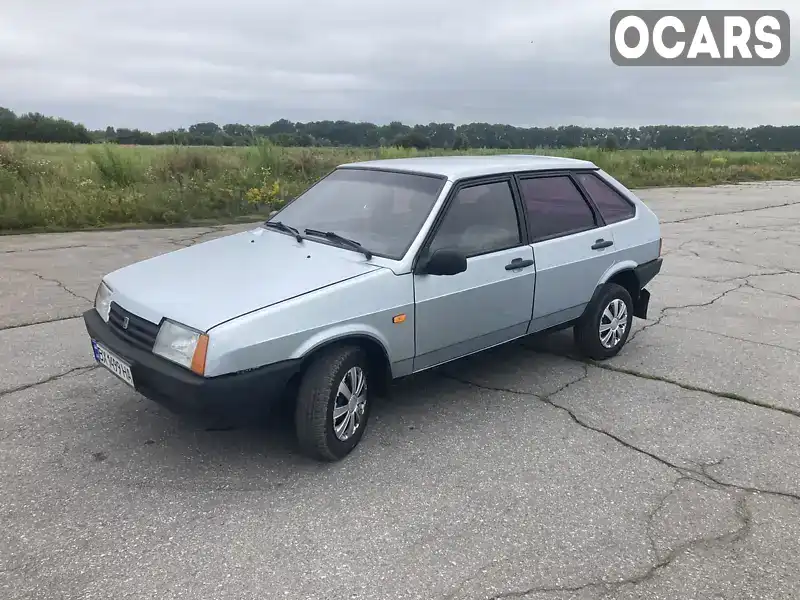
(380, 270)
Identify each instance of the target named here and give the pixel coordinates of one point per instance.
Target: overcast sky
(159, 64)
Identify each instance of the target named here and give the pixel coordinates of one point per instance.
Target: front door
(489, 303)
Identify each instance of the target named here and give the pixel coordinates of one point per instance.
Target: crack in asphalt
(63, 287)
(776, 269)
(719, 279)
(746, 283)
(685, 386)
(477, 574)
(788, 226)
(58, 283)
(678, 248)
(748, 276)
(42, 322)
(666, 309)
(680, 470)
(730, 537)
(776, 293)
(735, 212)
(68, 373)
(186, 242)
(25, 250)
(548, 399)
(699, 475)
(780, 270)
(730, 337)
(658, 508)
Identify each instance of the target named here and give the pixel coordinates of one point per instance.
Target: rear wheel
(333, 406)
(606, 323)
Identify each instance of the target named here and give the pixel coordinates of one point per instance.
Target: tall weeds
(64, 186)
(115, 166)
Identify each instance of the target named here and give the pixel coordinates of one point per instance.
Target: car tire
(588, 337)
(319, 395)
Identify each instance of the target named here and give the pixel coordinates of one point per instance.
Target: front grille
(140, 332)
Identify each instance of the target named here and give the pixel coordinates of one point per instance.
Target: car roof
(459, 167)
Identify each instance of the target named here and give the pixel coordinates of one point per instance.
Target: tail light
(660, 242)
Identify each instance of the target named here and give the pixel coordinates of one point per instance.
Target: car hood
(215, 281)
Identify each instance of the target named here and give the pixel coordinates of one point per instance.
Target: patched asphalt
(671, 471)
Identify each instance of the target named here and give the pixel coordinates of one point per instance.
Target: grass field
(51, 187)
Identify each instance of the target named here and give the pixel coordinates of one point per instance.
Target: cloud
(169, 63)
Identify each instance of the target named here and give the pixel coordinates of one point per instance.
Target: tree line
(36, 127)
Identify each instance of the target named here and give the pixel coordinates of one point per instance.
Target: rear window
(612, 206)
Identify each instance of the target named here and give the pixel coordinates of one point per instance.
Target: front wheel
(605, 325)
(333, 405)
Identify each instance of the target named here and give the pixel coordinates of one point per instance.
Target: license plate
(112, 362)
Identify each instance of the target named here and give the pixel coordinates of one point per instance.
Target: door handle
(601, 243)
(518, 263)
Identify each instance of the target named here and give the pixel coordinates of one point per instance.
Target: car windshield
(383, 211)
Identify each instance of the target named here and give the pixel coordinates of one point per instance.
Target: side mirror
(445, 262)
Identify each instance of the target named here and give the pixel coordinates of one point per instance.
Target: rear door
(571, 244)
(489, 303)
(618, 213)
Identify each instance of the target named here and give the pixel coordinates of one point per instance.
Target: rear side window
(555, 207)
(609, 201)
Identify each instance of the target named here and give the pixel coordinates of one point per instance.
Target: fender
(342, 332)
(640, 296)
(625, 265)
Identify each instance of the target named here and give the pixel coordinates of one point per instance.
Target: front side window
(481, 219)
(381, 210)
(555, 207)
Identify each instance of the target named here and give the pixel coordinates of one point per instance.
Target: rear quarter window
(612, 206)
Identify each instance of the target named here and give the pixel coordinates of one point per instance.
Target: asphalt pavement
(669, 472)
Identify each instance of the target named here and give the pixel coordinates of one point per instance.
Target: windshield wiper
(335, 236)
(284, 227)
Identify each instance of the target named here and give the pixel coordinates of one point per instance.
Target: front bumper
(246, 394)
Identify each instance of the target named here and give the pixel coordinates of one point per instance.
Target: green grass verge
(58, 187)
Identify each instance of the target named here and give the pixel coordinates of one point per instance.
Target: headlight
(182, 345)
(102, 301)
